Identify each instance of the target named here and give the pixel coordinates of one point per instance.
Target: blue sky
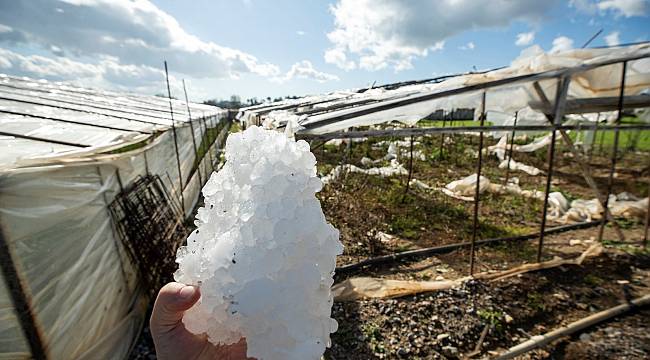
(281, 47)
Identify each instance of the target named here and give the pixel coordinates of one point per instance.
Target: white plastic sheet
(501, 102)
(54, 216)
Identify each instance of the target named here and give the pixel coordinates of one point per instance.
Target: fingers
(235, 351)
(172, 301)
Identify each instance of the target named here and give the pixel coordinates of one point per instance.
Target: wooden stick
(541, 340)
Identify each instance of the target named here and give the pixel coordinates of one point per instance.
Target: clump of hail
(263, 253)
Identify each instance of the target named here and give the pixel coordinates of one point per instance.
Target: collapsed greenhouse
(413, 171)
(402, 173)
(93, 186)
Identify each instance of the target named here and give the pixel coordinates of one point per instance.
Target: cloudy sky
(292, 47)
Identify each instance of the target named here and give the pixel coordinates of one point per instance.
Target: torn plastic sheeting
(338, 142)
(464, 189)
(366, 287)
(507, 99)
(515, 165)
(467, 186)
(581, 210)
(394, 168)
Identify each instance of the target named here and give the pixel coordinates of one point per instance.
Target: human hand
(173, 340)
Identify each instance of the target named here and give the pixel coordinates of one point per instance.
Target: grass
(451, 123)
(630, 139)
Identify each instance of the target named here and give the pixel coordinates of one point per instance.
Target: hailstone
(263, 253)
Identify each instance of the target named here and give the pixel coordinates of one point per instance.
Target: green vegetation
(628, 248)
(593, 280)
(536, 302)
(631, 139)
(492, 318)
(451, 123)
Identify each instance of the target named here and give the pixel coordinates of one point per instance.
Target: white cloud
(135, 34)
(469, 46)
(376, 34)
(627, 8)
(612, 39)
(585, 6)
(108, 72)
(305, 70)
(561, 43)
(301, 33)
(525, 39)
(337, 57)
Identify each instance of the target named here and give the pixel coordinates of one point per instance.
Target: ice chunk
(263, 253)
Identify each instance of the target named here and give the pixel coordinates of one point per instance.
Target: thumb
(172, 301)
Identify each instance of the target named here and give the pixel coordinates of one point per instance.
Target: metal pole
(442, 139)
(592, 38)
(610, 180)
(593, 140)
(560, 101)
(213, 141)
(196, 150)
(408, 180)
(21, 301)
(207, 142)
(512, 144)
(178, 159)
(647, 221)
(477, 192)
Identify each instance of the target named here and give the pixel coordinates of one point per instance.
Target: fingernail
(187, 292)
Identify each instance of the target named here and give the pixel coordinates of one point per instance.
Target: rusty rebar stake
(560, 101)
(196, 149)
(408, 180)
(477, 192)
(178, 159)
(610, 179)
(512, 144)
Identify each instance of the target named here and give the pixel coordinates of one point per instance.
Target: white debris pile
(502, 146)
(397, 151)
(500, 149)
(263, 253)
(464, 189)
(339, 142)
(622, 205)
(516, 165)
(395, 168)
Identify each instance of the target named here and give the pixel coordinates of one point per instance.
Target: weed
(593, 280)
(492, 317)
(535, 301)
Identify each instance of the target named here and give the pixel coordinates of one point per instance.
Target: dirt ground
(448, 324)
